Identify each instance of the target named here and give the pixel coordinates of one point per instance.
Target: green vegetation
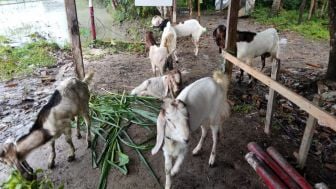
(119, 46)
(287, 20)
(16, 181)
(112, 115)
(242, 108)
(16, 61)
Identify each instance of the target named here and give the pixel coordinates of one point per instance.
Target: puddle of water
(47, 17)
(19, 19)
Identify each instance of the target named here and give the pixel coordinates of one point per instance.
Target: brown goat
(149, 40)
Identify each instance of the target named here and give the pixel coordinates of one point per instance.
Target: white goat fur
(156, 21)
(158, 57)
(159, 87)
(265, 41)
(168, 40)
(52, 121)
(202, 102)
(190, 27)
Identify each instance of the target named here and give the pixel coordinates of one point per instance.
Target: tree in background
(331, 72)
(276, 7)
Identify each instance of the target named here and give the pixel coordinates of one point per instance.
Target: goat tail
(88, 77)
(204, 29)
(222, 80)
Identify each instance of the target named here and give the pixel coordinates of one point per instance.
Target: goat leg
(51, 161)
(168, 167)
(78, 134)
(177, 165)
(214, 130)
(68, 139)
(27, 167)
(88, 125)
(200, 143)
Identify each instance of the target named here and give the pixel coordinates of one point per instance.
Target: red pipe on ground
(254, 147)
(288, 168)
(270, 179)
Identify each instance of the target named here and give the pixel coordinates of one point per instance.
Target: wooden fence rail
(322, 116)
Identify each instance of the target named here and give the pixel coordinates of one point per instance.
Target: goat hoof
(88, 144)
(195, 152)
(51, 165)
(71, 158)
(211, 165)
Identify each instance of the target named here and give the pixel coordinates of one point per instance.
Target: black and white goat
(251, 45)
(202, 102)
(70, 99)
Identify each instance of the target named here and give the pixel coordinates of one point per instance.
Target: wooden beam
(231, 30)
(307, 136)
(324, 117)
(199, 10)
(73, 28)
(174, 11)
(271, 96)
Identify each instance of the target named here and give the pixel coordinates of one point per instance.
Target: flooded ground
(122, 71)
(47, 18)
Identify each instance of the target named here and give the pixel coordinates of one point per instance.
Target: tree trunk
(302, 7)
(276, 7)
(312, 8)
(331, 72)
(114, 4)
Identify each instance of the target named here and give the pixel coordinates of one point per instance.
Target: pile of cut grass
(112, 114)
(17, 181)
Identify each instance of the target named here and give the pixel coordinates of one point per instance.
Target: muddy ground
(123, 71)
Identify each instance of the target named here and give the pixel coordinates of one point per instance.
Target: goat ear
(160, 131)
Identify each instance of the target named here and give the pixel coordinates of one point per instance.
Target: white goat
(70, 99)
(251, 45)
(160, 87)
(202, 102)
(189, 27)
(168, 40)
(160, 59)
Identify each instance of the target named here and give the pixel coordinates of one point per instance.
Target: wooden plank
(190, 8)
(271, 97)
(174, 11)
(307, 136)
(73, 28)
(324, 117)
(231, 30)
(199, 10)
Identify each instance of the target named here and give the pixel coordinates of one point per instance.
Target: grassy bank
(316, 28)
(18, 61)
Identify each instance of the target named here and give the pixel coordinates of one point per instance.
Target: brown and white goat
(70, 99)
(202, 102)
(149, 40)
(160, 87)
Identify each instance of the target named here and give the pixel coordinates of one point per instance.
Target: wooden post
(71, 12)
(301, 10)
(307, 136)
(199, 10)
(190, 8)
(93, 26)
(271, 96)
(174, 11)
(231, 30)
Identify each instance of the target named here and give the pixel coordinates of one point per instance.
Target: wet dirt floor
(123, 71)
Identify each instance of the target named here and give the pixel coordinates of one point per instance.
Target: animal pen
(316, 114)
